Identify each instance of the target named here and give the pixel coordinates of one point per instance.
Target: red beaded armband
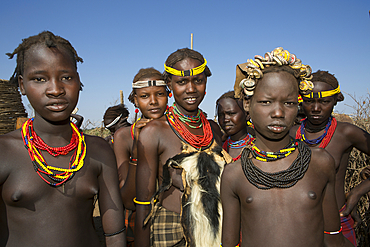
(333, 233)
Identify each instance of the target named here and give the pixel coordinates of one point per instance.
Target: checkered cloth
(130, 226)
(166, 229)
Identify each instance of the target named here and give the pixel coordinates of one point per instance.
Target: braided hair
(180, 55)
(47, 38)
(328, 78)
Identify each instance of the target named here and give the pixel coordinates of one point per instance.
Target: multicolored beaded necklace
(196, 141)
(248, 140)
(281, 179)
(34, 144)
(189, 120)
(324, 139)
(272, 156)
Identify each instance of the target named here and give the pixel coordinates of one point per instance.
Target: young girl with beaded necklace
(51, 171)
(279, 186)
(149, 95)
(321, 129)
(176, 152)
(232, 119)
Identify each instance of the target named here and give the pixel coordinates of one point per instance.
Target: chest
(24, 186)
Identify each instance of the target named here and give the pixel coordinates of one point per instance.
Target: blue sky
(117, 38)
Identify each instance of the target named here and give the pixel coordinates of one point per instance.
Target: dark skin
(157, 143)
(34, 213)
(152, 102)
(296, 216)
(231, 118)
(345, 138)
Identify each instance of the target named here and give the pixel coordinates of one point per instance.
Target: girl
(232, 119)
(149, 94)
(180, 152)
(50, 170)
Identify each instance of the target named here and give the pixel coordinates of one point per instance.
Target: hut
(11, 107)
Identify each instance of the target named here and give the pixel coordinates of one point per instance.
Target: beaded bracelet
(133, 159)
(333, 233)
(142, 203)
(115, 233)
(133, 163)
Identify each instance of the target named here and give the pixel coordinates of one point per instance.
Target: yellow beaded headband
(247, 73)
(195, 71)
(322, 94)
(141, 84)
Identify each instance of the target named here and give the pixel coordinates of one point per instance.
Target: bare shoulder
(123, 132)
(348, 129)
(13, 153)
(98, 149)
(216, 131)
(10, 143)
(154, 128)
(232, 173)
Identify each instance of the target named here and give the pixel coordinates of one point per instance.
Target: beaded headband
(114, 121)
(195, 71)
(154, 83)
(247, 73)
(322, 94)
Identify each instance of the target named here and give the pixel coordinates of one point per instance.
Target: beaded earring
(170, 94)
(136, 112)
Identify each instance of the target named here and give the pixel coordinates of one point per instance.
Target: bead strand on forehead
(324, 139)
(196, 141)
(41, 167)
(272, 156)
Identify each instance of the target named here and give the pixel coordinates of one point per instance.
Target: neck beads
(272, 156)
(324, 139)
(177, 121)
(281, 179)
(34, 144)
(246, 141)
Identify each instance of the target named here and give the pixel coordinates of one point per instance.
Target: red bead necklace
(196, 141)
(325, 141)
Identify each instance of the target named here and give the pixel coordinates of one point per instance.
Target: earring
(170, 94)
(136, 112)
(205, 93)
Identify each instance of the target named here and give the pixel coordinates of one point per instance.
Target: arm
(128, 190)
(122, 146)
(329, 205)
(359, 138)
(231, 209)
(146, 176)
(216, 132)
(355, 194)
(110, 203)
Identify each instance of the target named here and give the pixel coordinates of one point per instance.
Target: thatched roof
(11, 106)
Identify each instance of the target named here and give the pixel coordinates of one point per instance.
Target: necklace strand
(281, 179)
(272, 156)
(196, 141)
(324, 139)
(41, 167)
